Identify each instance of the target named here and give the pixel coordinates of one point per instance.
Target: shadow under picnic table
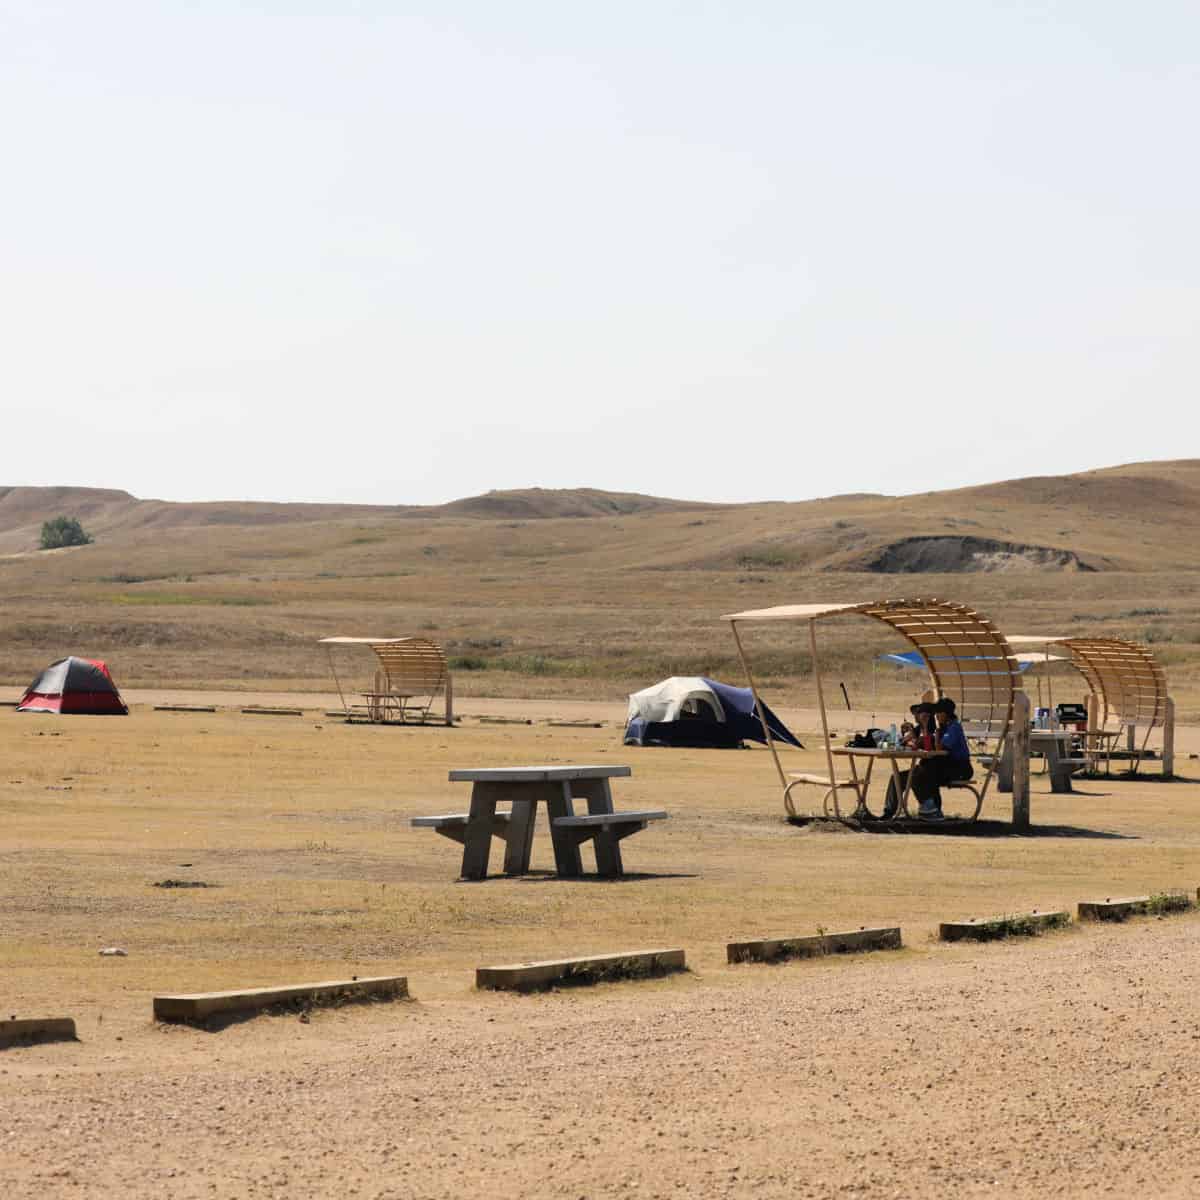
(970, 829)
(590, 877)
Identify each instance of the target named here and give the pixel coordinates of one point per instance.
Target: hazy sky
(401, 252)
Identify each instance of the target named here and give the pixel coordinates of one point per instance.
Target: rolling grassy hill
(583, 591)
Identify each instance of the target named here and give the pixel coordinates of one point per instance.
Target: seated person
(930, 773)
(920, 737)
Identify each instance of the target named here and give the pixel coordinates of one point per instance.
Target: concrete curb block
(631, 964)
(1159, 904)
(816, 946)
(196, 1006)
(38, 1029)
(1011, 925)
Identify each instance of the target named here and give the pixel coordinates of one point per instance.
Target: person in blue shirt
(930, 773)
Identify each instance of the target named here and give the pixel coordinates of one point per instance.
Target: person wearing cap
(953, 766)
(922, 737)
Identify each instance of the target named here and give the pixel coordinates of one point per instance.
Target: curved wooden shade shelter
(967, 657)
(412, 673)
(1129, 685)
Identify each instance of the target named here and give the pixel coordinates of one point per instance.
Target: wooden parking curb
(504, 720)
(853, 941)
(38, 1029)
(196, 1006)
(1124, 907)
(632, 964)
(1012, 925)
(273, 712)
(575, 724)
(186, 708)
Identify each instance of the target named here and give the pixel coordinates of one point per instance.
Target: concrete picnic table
(525, 788)
(1055, 744)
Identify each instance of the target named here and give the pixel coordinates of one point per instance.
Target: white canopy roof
(1036, 639)
(361, 641)
(788, 612)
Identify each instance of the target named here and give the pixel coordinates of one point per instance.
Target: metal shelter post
(812, 641)
(758, 704)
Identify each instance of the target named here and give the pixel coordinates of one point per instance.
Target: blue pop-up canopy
(694, 711)
(913, 658)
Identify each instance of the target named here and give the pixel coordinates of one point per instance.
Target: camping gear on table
(74, 685)
(689, 710)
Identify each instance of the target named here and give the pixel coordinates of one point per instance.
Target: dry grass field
(1059, 1066)
(301, 825)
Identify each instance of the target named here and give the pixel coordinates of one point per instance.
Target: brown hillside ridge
(23, 509)
(539, 592)
(540, 503)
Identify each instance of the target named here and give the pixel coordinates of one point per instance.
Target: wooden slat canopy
(410, 668)
(1125, 676)
(968, 659)
(1126, 679)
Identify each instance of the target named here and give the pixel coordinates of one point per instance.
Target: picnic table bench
(523, 788)
(1061, 763)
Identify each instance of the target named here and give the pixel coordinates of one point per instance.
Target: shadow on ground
(554, 877)
(953, 828)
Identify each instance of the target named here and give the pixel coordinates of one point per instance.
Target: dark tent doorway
(74, 685)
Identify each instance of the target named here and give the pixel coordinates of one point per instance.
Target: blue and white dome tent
(689, 710)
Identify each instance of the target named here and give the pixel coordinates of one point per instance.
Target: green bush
(64, 531)
(468, 662)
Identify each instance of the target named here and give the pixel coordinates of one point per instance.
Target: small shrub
(64, 531)
(124, 577)
(765, 560)
(531, 664)
(468, 662)
(1019, 926)
(1168, 902)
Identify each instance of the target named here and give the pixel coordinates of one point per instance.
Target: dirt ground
(1064, 1065)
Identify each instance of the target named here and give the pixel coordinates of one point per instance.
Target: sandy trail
(1066, 1066)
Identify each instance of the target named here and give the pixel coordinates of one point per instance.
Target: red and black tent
(74, 685)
